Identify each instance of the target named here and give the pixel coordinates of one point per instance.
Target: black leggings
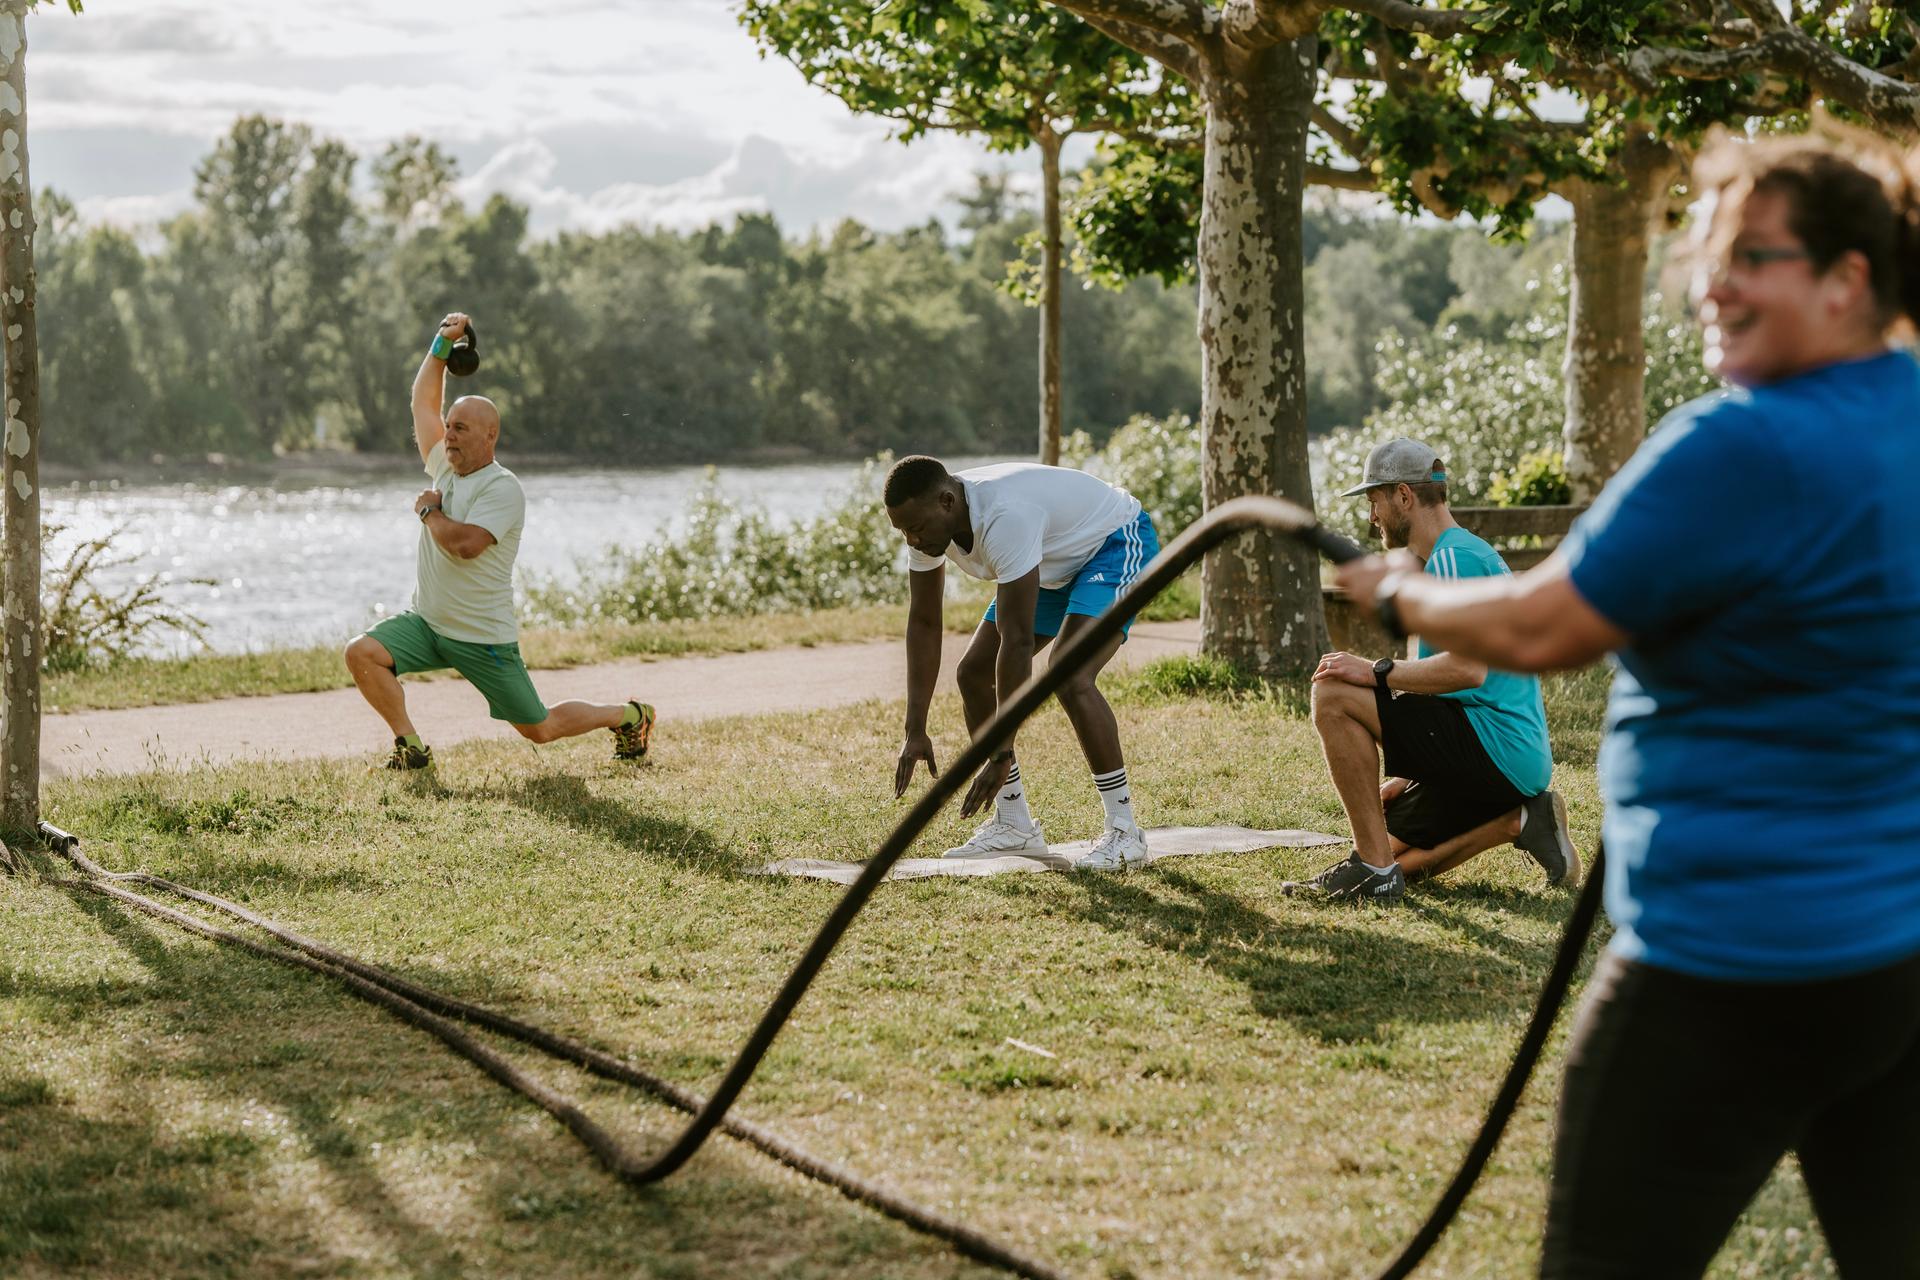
(1681, 1095)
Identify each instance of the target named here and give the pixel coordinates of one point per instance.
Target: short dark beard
(1395, 538)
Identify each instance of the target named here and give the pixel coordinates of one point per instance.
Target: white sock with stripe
(1010, 806)
(1116, 797)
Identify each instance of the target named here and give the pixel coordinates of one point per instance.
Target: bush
(82, 625)
(1538, 480)
(1489, 404)
(733, 561)
(1157, 460)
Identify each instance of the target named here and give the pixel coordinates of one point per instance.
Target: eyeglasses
(1753, 259)
(1743, 262)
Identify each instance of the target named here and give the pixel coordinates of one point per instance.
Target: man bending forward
(1061, 546)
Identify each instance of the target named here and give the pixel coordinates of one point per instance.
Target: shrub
(82, 624)
(1157, 460)
(1538, 480)
(1488, 404)
(734, 561)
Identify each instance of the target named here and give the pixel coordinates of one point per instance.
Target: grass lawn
(1243, 1085)
(145, 682)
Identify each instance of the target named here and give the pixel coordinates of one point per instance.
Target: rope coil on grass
(432, 1012)
(417, 1005)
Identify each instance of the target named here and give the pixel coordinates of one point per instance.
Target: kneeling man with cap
(1467, 760)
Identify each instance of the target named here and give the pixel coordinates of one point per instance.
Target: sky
(593, 113)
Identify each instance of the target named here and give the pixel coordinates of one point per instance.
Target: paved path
(338, 723)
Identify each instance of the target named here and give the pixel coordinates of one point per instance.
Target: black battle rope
(1573, 940)
(422, 1008)
(1238, 516)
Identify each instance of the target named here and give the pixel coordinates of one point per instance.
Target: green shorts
(496, 670)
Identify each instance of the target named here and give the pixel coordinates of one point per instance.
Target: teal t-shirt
(1505, 712)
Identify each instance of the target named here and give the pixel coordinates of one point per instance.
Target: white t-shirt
(1025, 514)
(472, 600)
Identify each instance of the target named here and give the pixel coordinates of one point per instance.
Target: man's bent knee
(974, 674)
(1080, 692)
(1332, 699)
(542, 732)
(365, 651)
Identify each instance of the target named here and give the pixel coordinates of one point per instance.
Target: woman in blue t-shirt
(1756, 572)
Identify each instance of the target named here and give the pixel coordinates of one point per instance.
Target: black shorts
(1456, 786)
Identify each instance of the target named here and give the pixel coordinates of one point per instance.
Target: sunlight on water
(291, 566)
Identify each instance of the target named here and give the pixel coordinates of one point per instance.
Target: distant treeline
(293, 296)
(296, 297)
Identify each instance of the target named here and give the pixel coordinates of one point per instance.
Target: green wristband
(440, 348)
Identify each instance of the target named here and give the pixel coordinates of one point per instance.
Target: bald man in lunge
(462, 615)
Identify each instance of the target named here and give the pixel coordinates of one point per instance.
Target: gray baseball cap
(1399, 461)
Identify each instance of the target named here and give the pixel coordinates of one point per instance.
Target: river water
(314, 562)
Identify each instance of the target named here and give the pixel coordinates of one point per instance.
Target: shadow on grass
(566, 798)
(75, 1184)
(1448, 903)
(1329, 979)
(326, 1138)
(225, 1042)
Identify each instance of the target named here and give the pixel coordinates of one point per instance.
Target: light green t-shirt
(472, 600)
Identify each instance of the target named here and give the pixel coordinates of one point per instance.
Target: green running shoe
(406, 758)
(630, 740)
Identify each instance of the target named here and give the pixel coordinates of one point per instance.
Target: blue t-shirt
(1506, 712)
(1760, 551)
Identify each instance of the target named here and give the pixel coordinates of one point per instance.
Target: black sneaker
(406, 758)
(1545, 838)
(1350, 881)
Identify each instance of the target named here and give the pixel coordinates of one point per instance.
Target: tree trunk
(20, 474)
(1049, 143)
(1606, 360)
(1260, 593)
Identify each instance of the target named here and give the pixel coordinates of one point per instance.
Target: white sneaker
(1117, 849)
(997, 839)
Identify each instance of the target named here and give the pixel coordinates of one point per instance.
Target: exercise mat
(1162, 842)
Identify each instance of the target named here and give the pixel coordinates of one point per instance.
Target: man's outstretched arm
(429, 386)
(926, 595)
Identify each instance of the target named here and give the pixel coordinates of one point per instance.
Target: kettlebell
(464, 360)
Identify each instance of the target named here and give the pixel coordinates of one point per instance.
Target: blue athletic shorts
(1098, 582)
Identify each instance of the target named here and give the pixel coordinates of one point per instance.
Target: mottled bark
(1606, 358)
(20, 685)
(1260, 594)
(1050, 273)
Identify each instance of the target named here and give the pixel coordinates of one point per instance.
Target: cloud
(885, 185)
(175, 31)
(594, 113)
(85, 163)
(141, 213)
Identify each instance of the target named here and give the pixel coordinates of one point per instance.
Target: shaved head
(476, 411)
(473, 428)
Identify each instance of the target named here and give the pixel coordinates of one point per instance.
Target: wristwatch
(425, 512)
(1381, 670)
